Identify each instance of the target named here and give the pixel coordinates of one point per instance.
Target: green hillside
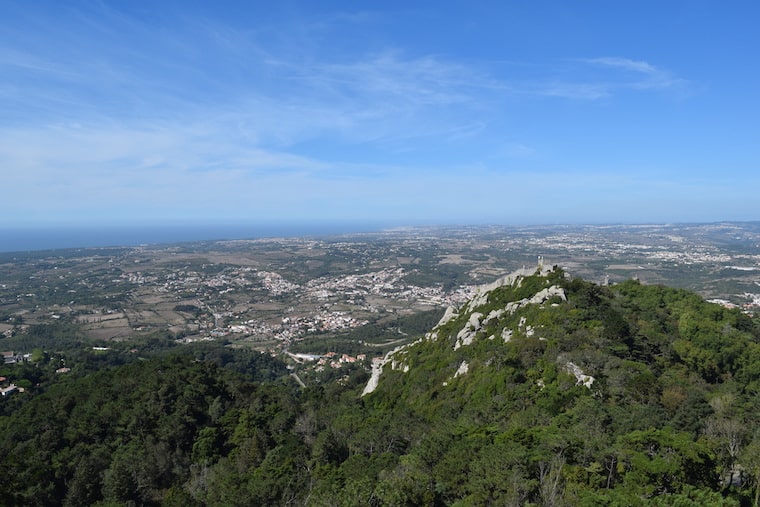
(542, 390)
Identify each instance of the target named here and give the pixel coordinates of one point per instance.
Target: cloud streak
(636, 74)
(120, 116)
(590, 79)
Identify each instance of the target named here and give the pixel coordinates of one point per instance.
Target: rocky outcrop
(580, 377)
(539, 298)
(475, 322)
(493, 315)
(468, 332)
(448, 315)
(514, 278)
(463, 368)
(377, 370)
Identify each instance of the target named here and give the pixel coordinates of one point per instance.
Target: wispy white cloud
(414, 81)
(121, 115)
(626, 64)
(25, 61)
(636, 73)
(591, 79)
(570, 90)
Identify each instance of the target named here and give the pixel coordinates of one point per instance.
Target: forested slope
(543, 390)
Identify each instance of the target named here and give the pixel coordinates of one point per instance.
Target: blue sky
(506, 112)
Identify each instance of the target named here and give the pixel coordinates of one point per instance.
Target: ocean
(51, 238)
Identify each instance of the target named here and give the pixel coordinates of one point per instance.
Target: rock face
(377, 370)
(481, 296)
(581, 377)
(475, 319)
(467, 334)
(540, 297)
(450, 314)
(463, 368)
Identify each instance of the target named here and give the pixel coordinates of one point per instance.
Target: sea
(53, 238)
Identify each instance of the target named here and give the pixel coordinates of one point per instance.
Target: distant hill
(544, 389)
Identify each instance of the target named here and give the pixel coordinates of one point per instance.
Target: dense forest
(588, 395)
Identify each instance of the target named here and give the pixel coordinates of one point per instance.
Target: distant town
(281, 295)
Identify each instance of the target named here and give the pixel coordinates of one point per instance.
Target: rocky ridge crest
(477, 318)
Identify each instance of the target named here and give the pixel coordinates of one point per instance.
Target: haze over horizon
(384, 113)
